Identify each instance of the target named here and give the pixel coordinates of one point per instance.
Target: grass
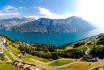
(77, 66)
(39, 62)
(91, 46)
(42, 62)
(13, 49)
(60, 62)
(6, 53)
(5, 66)
(82, 66)
(28, 57)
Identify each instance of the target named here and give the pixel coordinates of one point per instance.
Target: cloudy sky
(90, 10)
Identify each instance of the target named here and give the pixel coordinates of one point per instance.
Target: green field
(5, 66)
(60, 62)
(28, 57)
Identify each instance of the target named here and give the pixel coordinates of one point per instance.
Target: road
(86, 52)
(67, 65)
(45, 66)
(9, 60)
(13, 56)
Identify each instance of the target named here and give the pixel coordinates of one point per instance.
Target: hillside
(88, 52)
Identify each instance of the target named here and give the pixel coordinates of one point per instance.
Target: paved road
(86, 52)
(53, 67)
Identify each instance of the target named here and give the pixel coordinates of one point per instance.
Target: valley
(51, 35)
(57, 58)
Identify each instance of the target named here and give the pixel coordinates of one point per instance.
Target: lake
(50, 38)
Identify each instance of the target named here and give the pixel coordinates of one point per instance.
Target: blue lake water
(50, 38)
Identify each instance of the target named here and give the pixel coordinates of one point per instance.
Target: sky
(90, 10)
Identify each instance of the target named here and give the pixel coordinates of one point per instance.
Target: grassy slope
(8, 55)
(5, 66)
(28, 57)
(82, 66)
(78, 66)
(60, 62)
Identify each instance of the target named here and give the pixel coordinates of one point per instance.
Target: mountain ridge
(46, 25)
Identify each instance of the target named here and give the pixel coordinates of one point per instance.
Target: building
(24, 66)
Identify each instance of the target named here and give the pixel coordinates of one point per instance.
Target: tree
(2, 57)
(97, 52)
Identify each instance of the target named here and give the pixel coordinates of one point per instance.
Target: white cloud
(44, 12)
(33, 17)
(9, 11)
(47, 13)
(92, 10)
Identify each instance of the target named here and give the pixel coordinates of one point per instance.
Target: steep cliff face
(9, 23)
(72, 24)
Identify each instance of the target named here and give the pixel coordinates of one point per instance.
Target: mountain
(72, 24)
(9, 23)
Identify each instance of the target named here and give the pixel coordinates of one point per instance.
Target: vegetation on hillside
(95, 46)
